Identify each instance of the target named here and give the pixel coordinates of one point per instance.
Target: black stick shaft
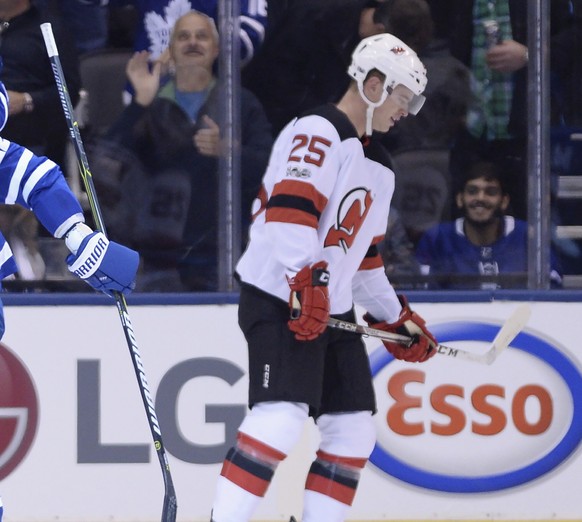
(170, 504)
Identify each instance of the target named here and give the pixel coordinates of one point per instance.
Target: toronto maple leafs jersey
(157, 17)
(445, 250)
(325, 196)
(35, 183)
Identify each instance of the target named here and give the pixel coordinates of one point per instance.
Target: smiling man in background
(484, 243)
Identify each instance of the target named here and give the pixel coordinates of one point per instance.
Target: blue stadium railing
(221, 298)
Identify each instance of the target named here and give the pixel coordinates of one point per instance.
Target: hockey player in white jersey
(38, 184)
(322, 209)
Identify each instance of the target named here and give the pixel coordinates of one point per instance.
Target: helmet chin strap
(369, 118)
(371, 106)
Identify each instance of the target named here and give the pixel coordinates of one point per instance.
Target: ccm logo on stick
(488, 428)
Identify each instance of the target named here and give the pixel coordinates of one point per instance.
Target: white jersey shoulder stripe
(17, 176)
(35, 176)
(4, 102)
(5, 253)
(4, 145)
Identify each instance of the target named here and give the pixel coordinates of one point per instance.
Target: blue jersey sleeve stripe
(19, 173)
(35, 177)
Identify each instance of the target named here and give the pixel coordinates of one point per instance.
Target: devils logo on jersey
(351, 213)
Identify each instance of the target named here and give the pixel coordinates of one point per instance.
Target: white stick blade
(515, 324)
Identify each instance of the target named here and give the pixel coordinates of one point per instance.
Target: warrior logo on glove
(105, 265)
(95, 250)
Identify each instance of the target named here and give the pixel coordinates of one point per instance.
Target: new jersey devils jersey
(325, 196)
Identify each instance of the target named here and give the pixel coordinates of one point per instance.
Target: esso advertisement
(456, 439)
(488, 427)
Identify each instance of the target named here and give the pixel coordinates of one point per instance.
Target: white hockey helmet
(396, 61)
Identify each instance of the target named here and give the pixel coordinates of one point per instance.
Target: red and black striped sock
(251, 464)
(334, 476)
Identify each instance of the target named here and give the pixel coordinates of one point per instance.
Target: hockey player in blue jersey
(485, 248)
(38, 184)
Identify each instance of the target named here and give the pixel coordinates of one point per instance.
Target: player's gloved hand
(409, 323)
(105, 265)
(309, 301)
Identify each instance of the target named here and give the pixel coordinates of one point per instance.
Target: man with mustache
(171, 132)
(485, 247)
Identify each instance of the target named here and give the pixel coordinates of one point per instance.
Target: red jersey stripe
(370, 263)
(290, 187)
(291, 215)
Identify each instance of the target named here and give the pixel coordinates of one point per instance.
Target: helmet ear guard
(398, 63)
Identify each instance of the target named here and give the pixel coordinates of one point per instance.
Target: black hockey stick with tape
(512, 326)
(170, 503)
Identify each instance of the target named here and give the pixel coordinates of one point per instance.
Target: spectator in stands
(36, 119)
(485, 247)
(87, 20)
(568, 68)
(448, 91)
(36, 116)
(306, 53)
(397, 251)
(166, 146)
(155, 19)
(122, 26)
(491, 39)
(420, 146)
(20, 228)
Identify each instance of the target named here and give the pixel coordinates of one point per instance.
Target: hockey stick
(512, 326)
(170, 503)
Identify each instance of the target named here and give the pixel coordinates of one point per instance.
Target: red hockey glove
(309, 301)
(409, 323)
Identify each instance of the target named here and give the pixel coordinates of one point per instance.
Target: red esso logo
(458, 418)
(18, 411)
(482, 400)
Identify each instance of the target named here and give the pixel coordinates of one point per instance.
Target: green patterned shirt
(489, 116)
